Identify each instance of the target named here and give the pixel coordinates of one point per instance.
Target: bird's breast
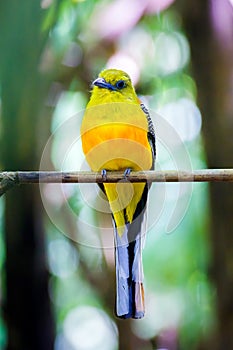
(114, 137)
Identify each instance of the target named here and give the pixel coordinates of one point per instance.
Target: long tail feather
(129, 271)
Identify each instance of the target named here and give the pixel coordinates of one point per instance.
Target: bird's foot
(104, 174)
(127, 173)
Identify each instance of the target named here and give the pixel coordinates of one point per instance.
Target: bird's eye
(120, 84)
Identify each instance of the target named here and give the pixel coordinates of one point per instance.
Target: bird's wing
(151, 132)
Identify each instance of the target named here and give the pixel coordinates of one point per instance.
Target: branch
(10, 179)
(7, 181)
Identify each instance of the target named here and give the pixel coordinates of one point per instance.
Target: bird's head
(113, 85)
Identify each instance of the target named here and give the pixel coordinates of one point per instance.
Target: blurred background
(57, 285)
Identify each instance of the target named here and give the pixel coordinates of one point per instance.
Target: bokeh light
(171, 53)
(164, 311)
(184, 115)
(87, 328)
(62, 258)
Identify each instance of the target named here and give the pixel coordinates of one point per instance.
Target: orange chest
(115, 137)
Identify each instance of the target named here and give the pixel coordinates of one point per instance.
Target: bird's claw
(104, 174)
(127, 173)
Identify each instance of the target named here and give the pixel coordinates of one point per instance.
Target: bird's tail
(129, 271)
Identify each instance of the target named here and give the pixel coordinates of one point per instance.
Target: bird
(117, 134)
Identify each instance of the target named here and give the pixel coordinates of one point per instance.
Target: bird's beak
(101, 82)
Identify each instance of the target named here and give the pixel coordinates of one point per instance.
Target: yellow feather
(123, 196)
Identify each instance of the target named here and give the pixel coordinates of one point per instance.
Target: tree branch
(7, 181)
(10, 179)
